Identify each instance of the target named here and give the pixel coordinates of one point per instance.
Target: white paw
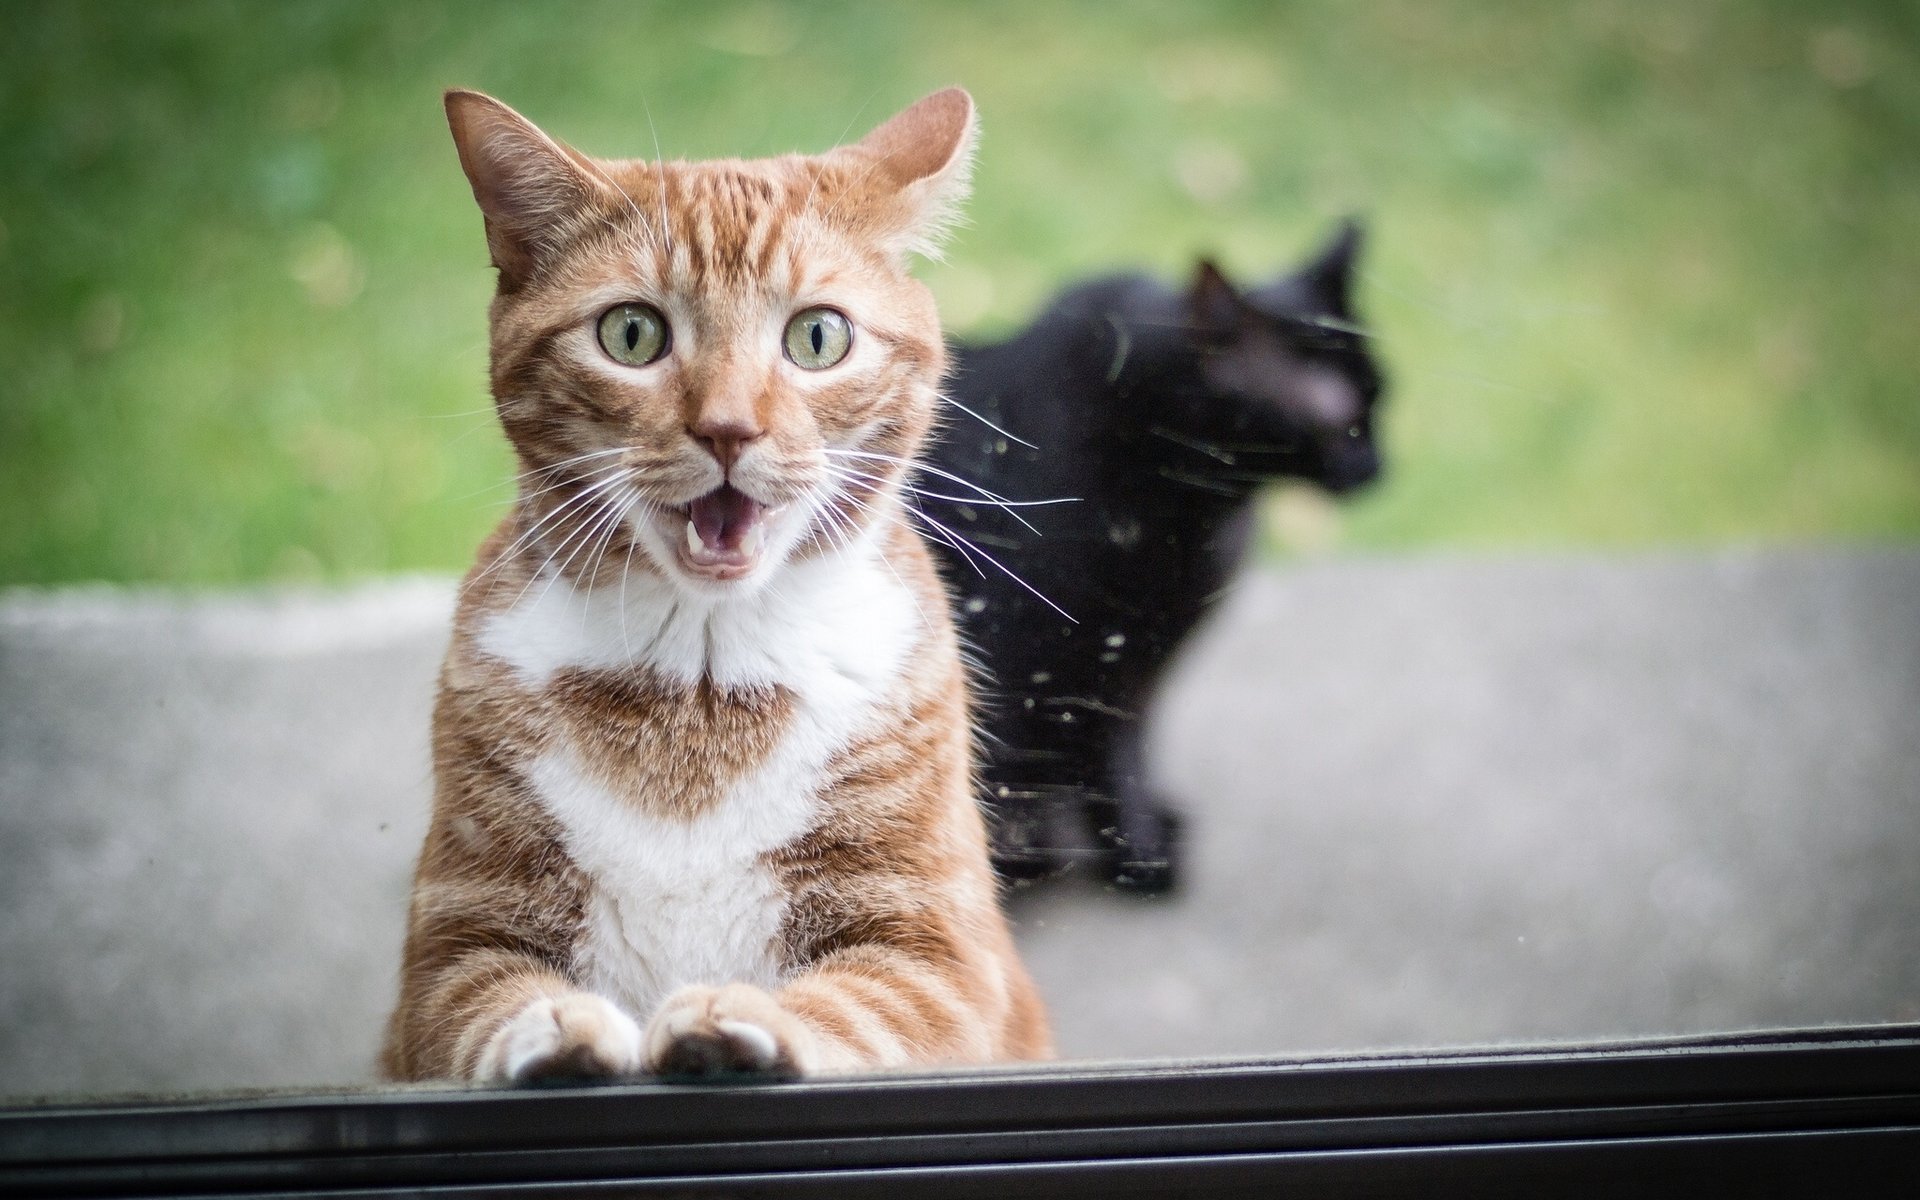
(718, 1031)
(578, 1036)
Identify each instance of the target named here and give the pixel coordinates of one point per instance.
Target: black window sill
(1829, 1112)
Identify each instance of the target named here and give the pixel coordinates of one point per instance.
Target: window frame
(1777, 1113)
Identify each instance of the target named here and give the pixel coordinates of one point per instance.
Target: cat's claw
(732, 1030)
(576, 1037)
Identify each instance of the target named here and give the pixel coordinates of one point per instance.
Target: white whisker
(633, 544)
(666, 225)
(554, 514)
(585, 499)
(966, 552)
(806, 205)
(547, 470)
(989, 424)
(591, 571)
(844, 473)
(1008, 571)
(839, 519)
(631, 206)
(586, 533)
(990, 503)
(987, 493)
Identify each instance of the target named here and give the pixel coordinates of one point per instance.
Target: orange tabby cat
(703, 796)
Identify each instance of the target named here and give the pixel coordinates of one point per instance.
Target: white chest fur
(681, 901)
(672, 902)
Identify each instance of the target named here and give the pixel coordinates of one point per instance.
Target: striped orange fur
(703, 795)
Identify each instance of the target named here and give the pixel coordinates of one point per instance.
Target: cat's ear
(911, 174)
(1329, 276)
(526, 183)
(1215, 303)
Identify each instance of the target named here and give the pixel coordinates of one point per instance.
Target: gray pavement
(1435, 802)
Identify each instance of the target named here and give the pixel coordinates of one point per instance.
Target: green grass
(1645, 274)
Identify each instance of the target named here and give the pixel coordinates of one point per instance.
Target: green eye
(634, 334)
(818, 338)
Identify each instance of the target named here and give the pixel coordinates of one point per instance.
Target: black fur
(1163, 412)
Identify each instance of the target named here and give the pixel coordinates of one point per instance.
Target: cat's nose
(724, 438)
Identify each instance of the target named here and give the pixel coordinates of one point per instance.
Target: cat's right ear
(1214, 302)
(525, 182)
(911, 174)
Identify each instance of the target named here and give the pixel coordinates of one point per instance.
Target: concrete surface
(1434, 802)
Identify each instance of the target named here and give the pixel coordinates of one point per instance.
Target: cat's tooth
(693, 539)
(756, 537)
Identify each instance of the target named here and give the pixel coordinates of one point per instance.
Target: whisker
(573, 502)
(1338, 326)
(915, 465)
(541, 570)
(593, 476)
(1222, 451)
(583, 532)
(990, 503)
(933, 470)
(601, 534)
(633, 544)
(546, 470)
(632, 207)
(1008, 505)
(853, 187)
(844, 473)
(806, 205)
(666, 225)
(989, 424)
(966, 552)
(599, 555)
(591, 572)
(586, 533)
(1197, 481)
(1010, 573)
(567, 462)
(1233, 476)
(532, 532)
(912, 595)
(864, 507)
(1303, 326)
(589, 477)
(838, 529)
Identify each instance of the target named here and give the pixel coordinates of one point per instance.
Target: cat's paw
(575, 1037)
(736, 1029)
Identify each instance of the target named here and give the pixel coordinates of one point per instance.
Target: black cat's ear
(1216, 305)
(1329, 275)
(526, 183)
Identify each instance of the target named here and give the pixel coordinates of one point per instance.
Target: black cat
(1163, 412)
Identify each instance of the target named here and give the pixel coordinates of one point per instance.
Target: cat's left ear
(526, 183)
(1330, 275)
(1214, 301)
(910, 175)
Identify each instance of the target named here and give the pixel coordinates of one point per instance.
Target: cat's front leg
(737, 1028)
(575, 1035)
(1138, 831)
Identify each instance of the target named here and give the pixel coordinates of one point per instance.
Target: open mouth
(726, 531)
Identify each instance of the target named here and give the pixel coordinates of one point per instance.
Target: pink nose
(724, 439)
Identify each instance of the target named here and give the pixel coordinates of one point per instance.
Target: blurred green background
(1644, 273)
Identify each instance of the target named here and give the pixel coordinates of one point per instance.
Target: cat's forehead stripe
(725, 222)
